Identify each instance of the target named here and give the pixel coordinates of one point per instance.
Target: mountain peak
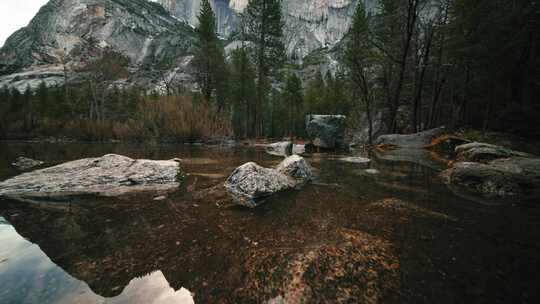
(72, 30)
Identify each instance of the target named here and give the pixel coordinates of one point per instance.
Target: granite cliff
(71, 30)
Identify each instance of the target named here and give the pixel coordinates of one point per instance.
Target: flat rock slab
(416, 140)
(509, 178)
(482, 152)
(109, 175)
(355, 159)
(250, 183)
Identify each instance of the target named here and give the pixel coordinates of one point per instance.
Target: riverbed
(385, 232)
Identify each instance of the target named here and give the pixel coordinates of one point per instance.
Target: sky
(15, 14)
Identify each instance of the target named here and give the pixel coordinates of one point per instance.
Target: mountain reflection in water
(27, 275)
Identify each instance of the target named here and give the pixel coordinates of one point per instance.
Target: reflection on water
(27, 275)
(398, 236)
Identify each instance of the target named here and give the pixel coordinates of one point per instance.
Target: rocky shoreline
(475, 169)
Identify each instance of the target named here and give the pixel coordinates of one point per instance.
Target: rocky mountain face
(71, 30)
(309, 24)
(314, 24)
(226, 12)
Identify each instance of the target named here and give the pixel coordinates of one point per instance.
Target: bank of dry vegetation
(150, 118)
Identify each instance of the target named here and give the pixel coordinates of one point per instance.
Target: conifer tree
(242, 93)
(209, 60)
(357, 56)
(263, 27)
(294, 98)
(315, 95)
(28, 108)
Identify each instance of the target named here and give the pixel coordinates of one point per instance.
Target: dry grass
(167, 118)
(177, 117)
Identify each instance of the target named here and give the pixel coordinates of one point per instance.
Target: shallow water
(399, 236)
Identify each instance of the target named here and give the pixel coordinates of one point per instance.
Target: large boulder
(482, 152)
(284, 148)
(516, 178)
(250, 183)
(326, 131)
(24, 163)
(416, 140)
(109, 175)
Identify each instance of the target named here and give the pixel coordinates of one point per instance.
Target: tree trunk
(411, 22)
(420, 83)
(261, 81)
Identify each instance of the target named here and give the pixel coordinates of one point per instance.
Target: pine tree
(293, 98)
(263, 27)
(394, 34)
(209, 60)
(28, 110)
(494, 46)
(42, 99)
(5, 99)
(357, 56)
(315, 94)
(242, 93)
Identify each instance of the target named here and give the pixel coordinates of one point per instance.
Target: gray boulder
(416, 140)
(250, 183)
(284, 148)
(24, 163)
(109, 175)
(326, 131)
(482, 152)
(515, 177)
(296, 167)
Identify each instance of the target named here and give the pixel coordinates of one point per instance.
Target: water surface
(399, 236)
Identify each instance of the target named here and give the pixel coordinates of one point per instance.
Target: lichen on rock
(109, 175)
(250, 183)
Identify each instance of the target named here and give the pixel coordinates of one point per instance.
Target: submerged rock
(285, 148)
(24, 163)
(482, 152)
(355, 267)
(422, 157)
(109, 175)
(250, 183)
(372, 171)
(516, 178)
(326, 131)
(355, 159)
(416, 140)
